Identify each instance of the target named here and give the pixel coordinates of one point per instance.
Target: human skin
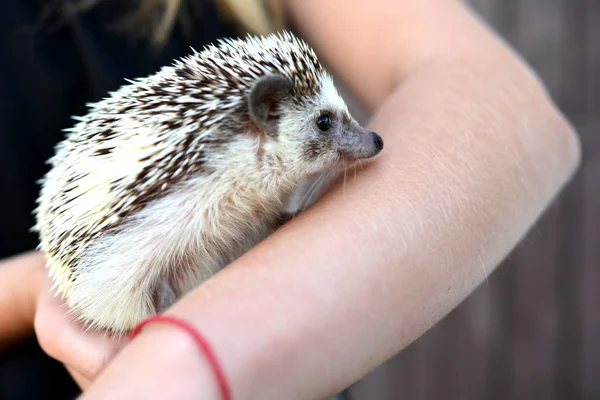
(20, 280)
(474, 152)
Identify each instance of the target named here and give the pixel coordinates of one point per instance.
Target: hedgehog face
(312, 133)
(332, 136)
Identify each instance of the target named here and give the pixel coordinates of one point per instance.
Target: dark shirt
(49, 70)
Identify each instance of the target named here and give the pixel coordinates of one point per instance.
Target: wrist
(174, 367)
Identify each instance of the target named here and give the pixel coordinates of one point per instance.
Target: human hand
(84, 353)
(20, 280)
(28, 305)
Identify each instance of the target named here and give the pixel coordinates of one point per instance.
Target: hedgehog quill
(173, 176)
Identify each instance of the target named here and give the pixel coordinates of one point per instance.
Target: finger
(81, 380)
(61, 337)
(20, 281)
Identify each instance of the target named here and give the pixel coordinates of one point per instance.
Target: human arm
(474, 152)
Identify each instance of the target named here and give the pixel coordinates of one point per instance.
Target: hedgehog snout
(372, 144)
(360, 143)
(378, 141)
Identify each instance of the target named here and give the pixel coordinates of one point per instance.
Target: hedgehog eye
(324, 122)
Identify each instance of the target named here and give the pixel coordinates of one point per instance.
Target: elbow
(569, 146)
(550, 140)
(556, 133)
(556, 136)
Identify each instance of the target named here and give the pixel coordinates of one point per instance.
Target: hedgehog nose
(378, 141)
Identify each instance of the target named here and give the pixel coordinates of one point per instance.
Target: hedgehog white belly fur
(173, 176)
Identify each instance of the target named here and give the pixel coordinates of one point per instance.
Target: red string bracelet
(200, 341)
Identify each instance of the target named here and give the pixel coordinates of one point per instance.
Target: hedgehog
(173, 176)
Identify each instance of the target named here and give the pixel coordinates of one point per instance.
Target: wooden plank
(374, 386)
(535, 323)
(568, 302)
(571, 95)
(439, 346)
(500, 382)
(540, 38)
(404, 376)
(482, 339)
(485, 8)
(573, 101)
(593, 62)
(590, 292)
(590, 286)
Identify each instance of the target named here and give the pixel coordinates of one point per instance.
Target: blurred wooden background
(533, 331)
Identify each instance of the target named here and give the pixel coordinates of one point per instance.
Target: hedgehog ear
(264, 100)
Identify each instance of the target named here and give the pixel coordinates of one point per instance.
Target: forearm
(470, 162)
